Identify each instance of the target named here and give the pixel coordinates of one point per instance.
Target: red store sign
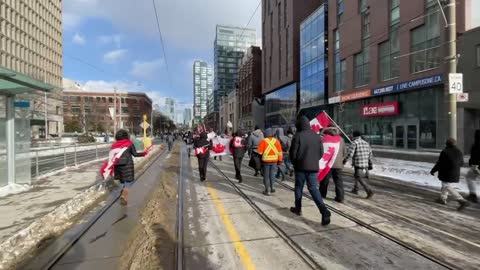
(380, 109)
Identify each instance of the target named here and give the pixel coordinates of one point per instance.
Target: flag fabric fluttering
(116, 151)
(320, 122)
(221, 146)
(331, 147)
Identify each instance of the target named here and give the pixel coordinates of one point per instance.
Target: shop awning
(12, 82)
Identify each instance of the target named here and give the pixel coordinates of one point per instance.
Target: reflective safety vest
(237, 142)
(271, 153)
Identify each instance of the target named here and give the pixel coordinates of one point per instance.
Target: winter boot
(296, 211)
(369, 194)
(473, 198)
(463, 204)
(354, 191)
(441, 201)
(266, 193)
(326, 219)
(124, 196)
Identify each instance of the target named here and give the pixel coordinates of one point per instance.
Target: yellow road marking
(239, 247)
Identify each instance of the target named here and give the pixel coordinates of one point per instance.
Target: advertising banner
(380, 109)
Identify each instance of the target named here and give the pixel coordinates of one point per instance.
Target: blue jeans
(312, 184)
(269, 175)
(127, 184)
(287, 162)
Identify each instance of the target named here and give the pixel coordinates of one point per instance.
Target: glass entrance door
(399, 136)
(412, 135)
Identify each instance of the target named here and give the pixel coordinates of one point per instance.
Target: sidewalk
(19, 210)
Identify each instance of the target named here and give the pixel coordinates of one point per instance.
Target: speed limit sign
(455, 83)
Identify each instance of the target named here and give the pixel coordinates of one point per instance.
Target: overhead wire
(163, 45)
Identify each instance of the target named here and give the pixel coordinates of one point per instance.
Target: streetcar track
(64, 250)
(281, 233)
(375, 230)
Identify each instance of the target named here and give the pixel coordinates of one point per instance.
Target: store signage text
(408, 85)
(380, 109)
(355, 95)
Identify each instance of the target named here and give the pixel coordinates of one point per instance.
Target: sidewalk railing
(67, 156)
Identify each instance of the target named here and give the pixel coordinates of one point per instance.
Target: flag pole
(341, 130)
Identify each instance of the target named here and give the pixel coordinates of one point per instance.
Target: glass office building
(313, 58)
(202, 89)
(231, 43)
(281, 107)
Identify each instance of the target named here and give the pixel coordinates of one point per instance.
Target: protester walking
(253, 142)
(474, 173)
(285, 144)
(170, 140)
(305, 152)
(239, 147)
(271, 152)
(448, 167)
(120, 163)
(202, 150)
(361, 154)
(286, 158)
(336, 170)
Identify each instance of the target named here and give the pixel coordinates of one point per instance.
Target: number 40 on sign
(455, 83)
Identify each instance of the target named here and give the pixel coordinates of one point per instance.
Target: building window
(390, 50)
(478, 55)
(362, 59)
(362, 6)
(340, 10)
(425, 41)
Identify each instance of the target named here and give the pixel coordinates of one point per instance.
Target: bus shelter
(15, 131)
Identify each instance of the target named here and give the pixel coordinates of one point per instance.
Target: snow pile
(412, 172)
(13, 189)
(16, 248)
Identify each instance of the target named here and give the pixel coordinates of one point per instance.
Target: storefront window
(280, 107)
(3, 142)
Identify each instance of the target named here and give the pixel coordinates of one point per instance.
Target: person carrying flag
(239, 146)
(120, 162)
(271, 152)
(202, 150)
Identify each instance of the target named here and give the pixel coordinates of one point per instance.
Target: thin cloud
(79, 39)
(146, 69)
(115, 39)
(113, 57)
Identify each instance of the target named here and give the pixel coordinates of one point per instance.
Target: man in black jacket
(202, 150)
(448, 167)
(305, 153)
(474, 172)
(239, 146)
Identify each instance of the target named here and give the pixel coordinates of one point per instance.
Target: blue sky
(115, 43)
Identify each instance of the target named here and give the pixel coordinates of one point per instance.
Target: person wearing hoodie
(286, 159)
(448, 167)
(336, 170)
(305, 153)
(202, 150)
(253, 142)
(239, 147)
(285, 143)
(271, 152)
(474, 172)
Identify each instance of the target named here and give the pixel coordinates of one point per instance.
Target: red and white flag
(331, 147)
(321, 121)
(116, 151)
(221, 146)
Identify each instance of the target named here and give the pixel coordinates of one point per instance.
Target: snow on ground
(412, 172)
(13, 189)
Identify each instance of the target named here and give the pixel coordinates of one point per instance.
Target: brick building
(249, 89)
(91, 110)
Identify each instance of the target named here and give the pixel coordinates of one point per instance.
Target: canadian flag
(220, 146)
(116, 151)
(331, 147)
(321, 121)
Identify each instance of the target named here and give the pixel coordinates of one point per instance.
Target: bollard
(64, 157)
(75, 150)
(36, 164)
(96, 150)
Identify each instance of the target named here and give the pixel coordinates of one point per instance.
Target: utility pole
(114, 111)
(452, 65)
(46, 116)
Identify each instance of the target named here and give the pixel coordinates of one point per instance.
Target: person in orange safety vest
(271, 151)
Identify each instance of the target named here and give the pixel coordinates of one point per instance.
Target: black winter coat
(124, 169)
(475, 150)
(449, 164)
(239, 152)
(203, 142)
(307, 148)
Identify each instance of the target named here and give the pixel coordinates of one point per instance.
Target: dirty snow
(13, 189)
(412, 172)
